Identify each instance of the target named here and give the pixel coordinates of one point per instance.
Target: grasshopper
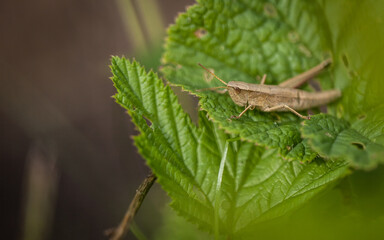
(281, 98)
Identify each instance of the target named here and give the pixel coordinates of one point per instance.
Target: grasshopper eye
(237, 90)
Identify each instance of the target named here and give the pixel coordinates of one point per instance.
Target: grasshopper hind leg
(298, 80)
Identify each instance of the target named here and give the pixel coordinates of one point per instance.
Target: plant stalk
(120, 231)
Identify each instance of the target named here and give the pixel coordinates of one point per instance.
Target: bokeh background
(68, 164)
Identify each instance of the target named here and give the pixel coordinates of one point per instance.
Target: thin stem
(137, 232)
(134, 206)
(263, 79)
(131, 21)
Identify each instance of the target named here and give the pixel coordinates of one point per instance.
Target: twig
(119, 232)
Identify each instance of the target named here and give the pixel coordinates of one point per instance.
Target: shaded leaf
(334, 138)
(358, 55)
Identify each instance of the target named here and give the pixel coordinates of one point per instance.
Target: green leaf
(334, 138)
(356, 43)
(241, 40)
(256, 184)
(358, 53)
(358, 50)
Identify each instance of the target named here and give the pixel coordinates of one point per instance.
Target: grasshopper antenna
(213, 74)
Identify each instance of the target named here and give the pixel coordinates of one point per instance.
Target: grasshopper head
(238, 92)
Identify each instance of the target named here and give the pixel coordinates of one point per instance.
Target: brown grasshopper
(284, 97)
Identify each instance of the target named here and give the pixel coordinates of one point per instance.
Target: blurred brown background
(68, 165)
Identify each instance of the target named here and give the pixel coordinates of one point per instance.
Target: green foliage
(240, 40)
(275, 166)
(334, 138)
(257, 184)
